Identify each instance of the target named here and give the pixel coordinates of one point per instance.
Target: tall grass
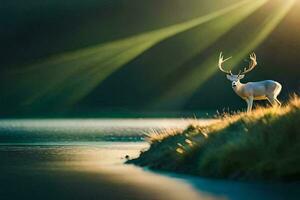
(261, 145)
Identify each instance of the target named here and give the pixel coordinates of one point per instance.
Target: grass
(261, 145)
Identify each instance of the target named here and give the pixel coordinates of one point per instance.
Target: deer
(261, 90)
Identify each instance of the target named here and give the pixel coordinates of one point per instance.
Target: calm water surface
(83, 159)
(84, 130)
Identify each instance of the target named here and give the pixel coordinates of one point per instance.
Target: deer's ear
(241, 76)
(229, 77)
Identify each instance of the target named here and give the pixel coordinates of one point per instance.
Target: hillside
(261, 145)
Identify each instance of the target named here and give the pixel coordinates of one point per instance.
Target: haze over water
(82, 130)
(83, 159)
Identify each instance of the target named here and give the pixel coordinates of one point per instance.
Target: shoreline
(259, 146)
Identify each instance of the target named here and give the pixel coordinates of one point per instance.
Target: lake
(84, 159)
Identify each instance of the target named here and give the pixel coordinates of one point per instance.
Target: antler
(251, 66)
(221, 61)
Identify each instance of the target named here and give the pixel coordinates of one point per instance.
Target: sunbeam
(189, 44)
(184, 88)
(69, 77)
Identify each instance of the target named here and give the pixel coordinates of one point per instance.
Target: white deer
(262, 90)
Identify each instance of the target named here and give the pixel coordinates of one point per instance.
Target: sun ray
(196, 77)
(69, 77)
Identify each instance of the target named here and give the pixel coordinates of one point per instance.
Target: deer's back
(262, 88)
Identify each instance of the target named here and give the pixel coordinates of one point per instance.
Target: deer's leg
(272, 101)
(279, 103)
(249, 103)
(250, 99)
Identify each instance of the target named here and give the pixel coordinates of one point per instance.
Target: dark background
(35, 30)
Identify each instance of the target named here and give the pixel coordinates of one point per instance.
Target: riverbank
(261, 145)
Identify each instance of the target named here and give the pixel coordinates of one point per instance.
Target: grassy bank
(261, 145)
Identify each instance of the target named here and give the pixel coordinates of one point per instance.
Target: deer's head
(235, 78)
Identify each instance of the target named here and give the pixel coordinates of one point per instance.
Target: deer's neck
(239, 89)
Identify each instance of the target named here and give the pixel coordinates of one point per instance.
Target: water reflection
(80, 172)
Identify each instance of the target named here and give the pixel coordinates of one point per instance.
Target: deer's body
(262, 90)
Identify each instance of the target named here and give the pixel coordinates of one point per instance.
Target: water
(83, 130)
(84, 159)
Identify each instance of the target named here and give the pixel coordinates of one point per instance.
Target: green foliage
(263, 145)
